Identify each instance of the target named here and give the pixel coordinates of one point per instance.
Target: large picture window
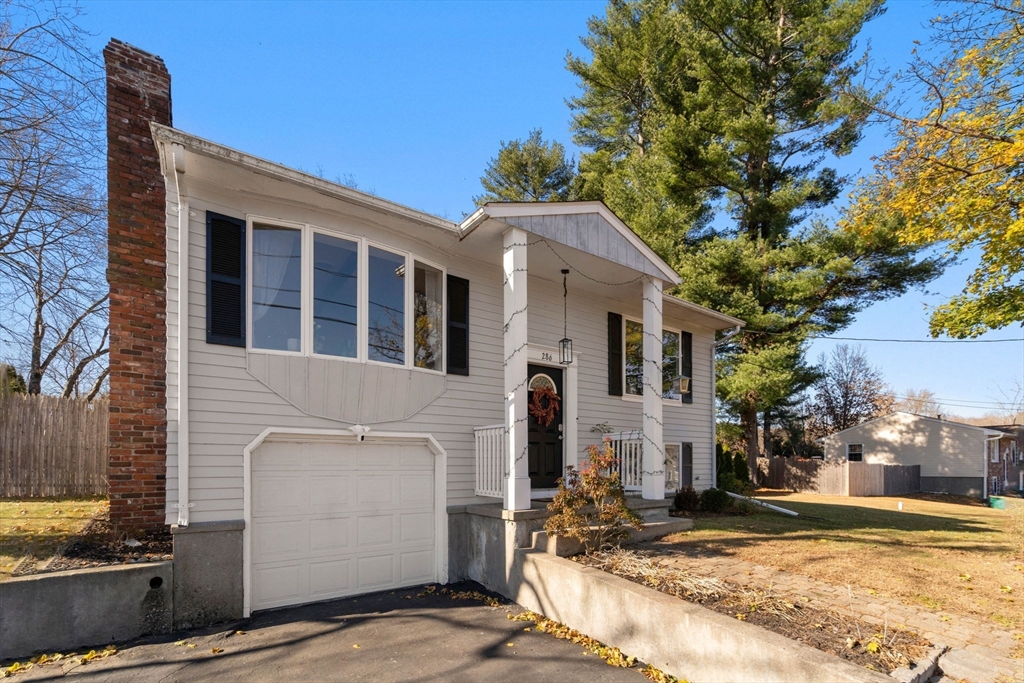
(335, 296)
(674, 361)
(324, 294)
(276, 288)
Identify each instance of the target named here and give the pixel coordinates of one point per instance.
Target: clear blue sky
(412, 99)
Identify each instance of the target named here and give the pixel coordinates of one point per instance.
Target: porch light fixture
(682, 382)
(565, 344)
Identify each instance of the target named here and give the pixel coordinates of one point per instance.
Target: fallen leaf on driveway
(191, 646)
(181, 642)
(216, 650)
(356, 646)
(511, 645)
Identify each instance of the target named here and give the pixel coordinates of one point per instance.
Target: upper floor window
(335, 296)
(855, 452)
(320, 293)
(276, 288)
(387, 307)
(428, 321)
(676, 361)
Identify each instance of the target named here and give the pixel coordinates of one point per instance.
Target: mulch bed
(878, 648)
(99, 546)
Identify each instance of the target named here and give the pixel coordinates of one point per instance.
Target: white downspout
(984, 490)
(178, 163)
(714, 413)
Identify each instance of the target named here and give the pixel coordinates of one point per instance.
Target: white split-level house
(348, 380)
(359, 371)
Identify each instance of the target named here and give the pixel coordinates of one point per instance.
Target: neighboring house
(954, 457)
(1006, 460)
(356, 375)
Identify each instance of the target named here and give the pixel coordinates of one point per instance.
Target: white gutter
(178, 164)
(714, 413)
(472, 222)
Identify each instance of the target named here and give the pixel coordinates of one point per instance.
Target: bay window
(428, 324)
(335, 296)
(325, 294)
(276, 288)
(387, 307)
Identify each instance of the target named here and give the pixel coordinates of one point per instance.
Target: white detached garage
(330, 514)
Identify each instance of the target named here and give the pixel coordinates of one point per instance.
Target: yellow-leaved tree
(955, 175)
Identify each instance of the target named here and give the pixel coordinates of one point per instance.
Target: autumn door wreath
(544, 412)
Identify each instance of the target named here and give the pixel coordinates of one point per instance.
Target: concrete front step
(563, 546)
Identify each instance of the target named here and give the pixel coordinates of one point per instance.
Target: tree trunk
(766, 434)
(748, 420)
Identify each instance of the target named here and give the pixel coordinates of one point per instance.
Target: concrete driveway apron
(406, 635)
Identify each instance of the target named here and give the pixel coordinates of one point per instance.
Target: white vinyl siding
(230, 407)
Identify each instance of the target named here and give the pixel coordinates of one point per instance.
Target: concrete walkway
(984, 645)
(400, 636)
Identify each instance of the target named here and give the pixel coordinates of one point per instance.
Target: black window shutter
(458, 326)
(614, 354)
(686, 362)
(225, 280)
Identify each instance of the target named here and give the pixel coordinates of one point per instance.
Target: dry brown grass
(943, 553)
(36, 528)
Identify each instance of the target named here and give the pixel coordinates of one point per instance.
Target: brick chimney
(138, 91)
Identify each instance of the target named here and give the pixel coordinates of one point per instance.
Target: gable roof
(271, 169)
(987, 431)
(588, 226)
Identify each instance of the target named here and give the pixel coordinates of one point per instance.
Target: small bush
(727, 482)
(723, 460)
(687, 500)
(714, 500)
(590, 505)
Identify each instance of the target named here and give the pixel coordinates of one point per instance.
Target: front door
(545, 442)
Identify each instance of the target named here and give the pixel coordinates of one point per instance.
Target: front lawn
(941, 552)
(37, 527)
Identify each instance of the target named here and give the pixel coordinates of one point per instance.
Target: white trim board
(354, 434)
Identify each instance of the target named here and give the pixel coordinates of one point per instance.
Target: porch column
(654, 442)
(517, 482)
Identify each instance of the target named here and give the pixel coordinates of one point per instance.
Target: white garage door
(336, 519)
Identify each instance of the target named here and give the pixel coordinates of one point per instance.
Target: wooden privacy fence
(52, 446)
(839, 478)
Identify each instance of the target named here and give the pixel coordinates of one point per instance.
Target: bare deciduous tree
(919, 402)
(52, 233)
(850, 391)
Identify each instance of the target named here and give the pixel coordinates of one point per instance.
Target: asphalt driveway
(406, 635)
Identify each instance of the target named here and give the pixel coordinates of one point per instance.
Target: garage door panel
(330, 578)
(337, 519)
(330, 534)
(329, 493)
(417, 567)
(411, 457)
(375, 490)
(416, 490)
(281, 456)
(275, 494)
(375, 530)
(274, 586)
(375, 572)
(280, 540)
(417, 527)
(374, 457)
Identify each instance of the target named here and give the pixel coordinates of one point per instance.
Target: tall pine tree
(708, 124)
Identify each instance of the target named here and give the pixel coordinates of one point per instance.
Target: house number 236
(545, 355)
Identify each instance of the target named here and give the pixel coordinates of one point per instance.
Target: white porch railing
(628, 447)
(491, 462)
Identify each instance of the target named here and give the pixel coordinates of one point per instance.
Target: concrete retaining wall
(89, 607)
(676, 636)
